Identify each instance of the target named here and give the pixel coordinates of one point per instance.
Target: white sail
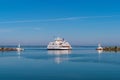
(19, 48)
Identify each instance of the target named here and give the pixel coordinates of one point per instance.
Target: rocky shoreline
(111, 48)
(115, 48)
(8, 49)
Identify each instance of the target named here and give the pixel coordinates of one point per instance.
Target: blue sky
(81, 22)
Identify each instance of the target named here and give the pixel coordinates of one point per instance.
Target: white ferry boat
(59, 44)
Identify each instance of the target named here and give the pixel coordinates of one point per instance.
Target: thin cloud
(6, 30)
(45, 20)
(37, 29)
(60, 19)
(100, 16)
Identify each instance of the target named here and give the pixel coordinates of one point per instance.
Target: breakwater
(8, 49)
(115, 48)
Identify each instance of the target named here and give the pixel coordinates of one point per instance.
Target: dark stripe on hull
(59, 49)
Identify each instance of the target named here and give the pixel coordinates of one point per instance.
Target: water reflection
(59, 52)
(100, 51)
(59, 55)
(19, 54)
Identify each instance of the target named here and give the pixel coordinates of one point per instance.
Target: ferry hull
(59, 48)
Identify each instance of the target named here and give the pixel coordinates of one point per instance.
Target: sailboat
(19, 49)
(99, 47)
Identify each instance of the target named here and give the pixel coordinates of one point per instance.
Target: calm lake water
(81, 63)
